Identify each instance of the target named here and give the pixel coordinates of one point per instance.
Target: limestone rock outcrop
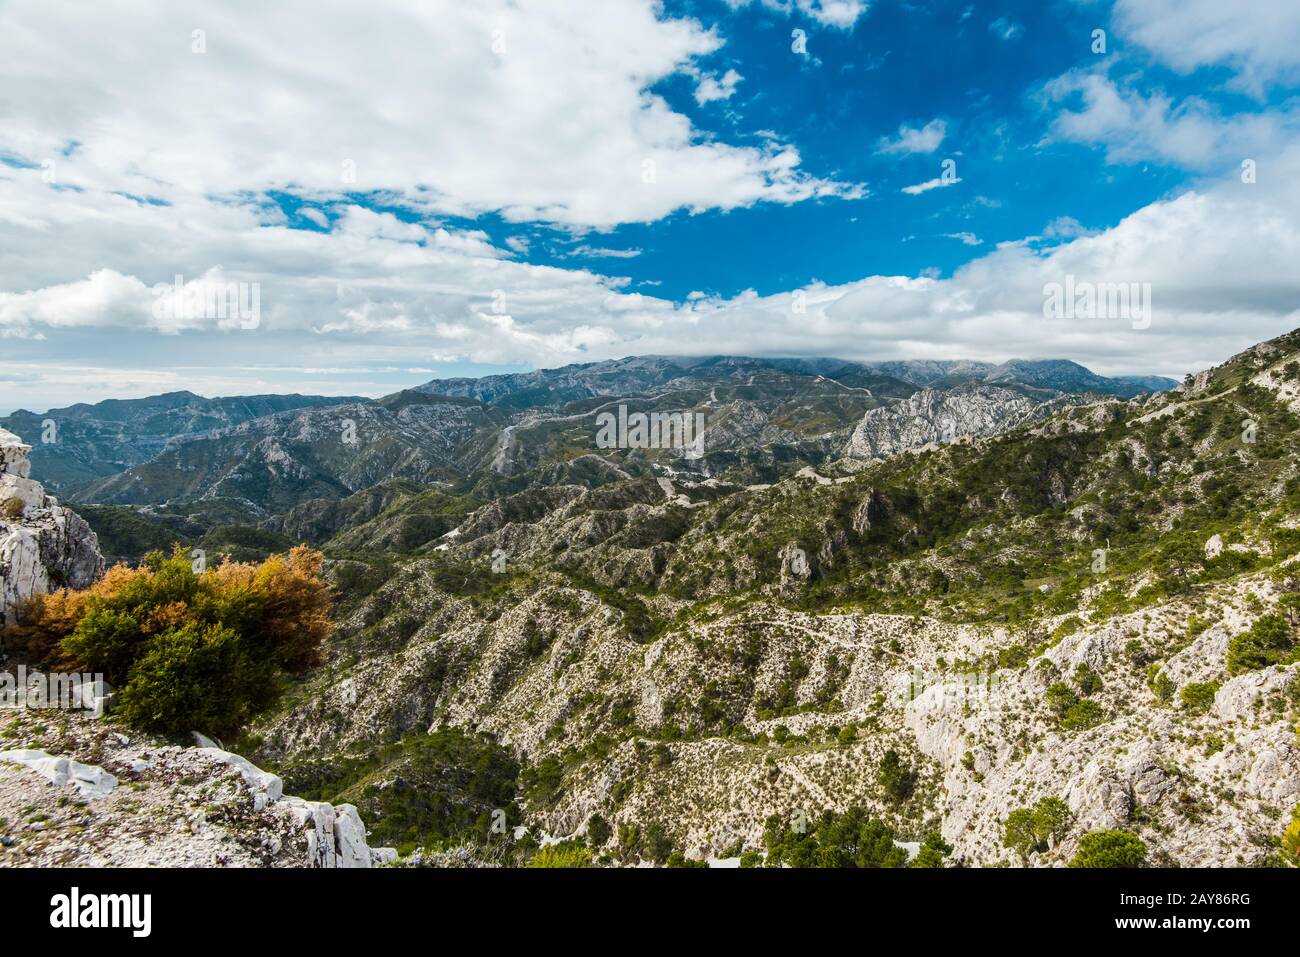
(934, 416)
(81, 792)
(336, 836)
(43, 545)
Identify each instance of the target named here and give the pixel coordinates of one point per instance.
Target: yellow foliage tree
(188, 650)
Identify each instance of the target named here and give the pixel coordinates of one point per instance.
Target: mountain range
(197, 462)
(950, 594)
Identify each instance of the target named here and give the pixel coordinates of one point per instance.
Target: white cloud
(936, 183)
(381, 292)
(842, 14)
(913, 140)
(968, 239)
(602, 252)
(538, 109)
(1135, 126)
(712, 87)
(316, 216)
(105, 297)
(1066, 227)
(1221, 261)
(1259, 41)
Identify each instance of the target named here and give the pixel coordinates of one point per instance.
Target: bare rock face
(870, 511)
(794, 565)
(937, 416)
(133, 800)
(42, 544)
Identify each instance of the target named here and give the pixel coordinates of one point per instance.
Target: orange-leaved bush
(186, 650)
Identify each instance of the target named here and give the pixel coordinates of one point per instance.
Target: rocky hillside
(1080, 597)
(272, 463)
(1100, 607)
(622, 377)
(930, 417)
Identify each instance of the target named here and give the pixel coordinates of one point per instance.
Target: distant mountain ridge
(261, 456)
(95, 441)
(638, 373)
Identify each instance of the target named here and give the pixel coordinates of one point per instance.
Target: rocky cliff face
(42, 544)
(935, 417)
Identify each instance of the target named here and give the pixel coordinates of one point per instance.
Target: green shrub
(567, 854)
(934, 849)
(1291, 839)
(1066, 628)
(195, 676)
(598, 831)
(1060, 699)
(1016, 656)
(1199, 695)
(648, 843)
(896, 777)
(655, 844)
(1031, 829)
(1268, 642)
(1161, 685)
(1087, 680)
(543, 782)
(1083, 715)
(847, 840)
(1110, 849)
(678, 859)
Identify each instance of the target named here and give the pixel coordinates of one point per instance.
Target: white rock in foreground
(92, 782)
(336, 836)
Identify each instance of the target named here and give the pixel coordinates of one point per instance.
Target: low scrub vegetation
(851, 839)
(1032, 829)
(1270, 641)
(1110, 849)
(186, 649)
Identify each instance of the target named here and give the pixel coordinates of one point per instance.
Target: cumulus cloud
(105, 297)
(910, 139)
(1261, 42)
(712, 87)
(375, 293)
(539, 110)
(1136, 126)
(445, 117)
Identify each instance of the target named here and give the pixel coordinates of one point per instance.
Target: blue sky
(454, 189)
(907, 65)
